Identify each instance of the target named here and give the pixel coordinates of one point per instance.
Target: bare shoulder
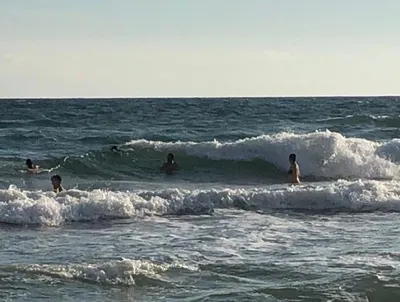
(298, 169)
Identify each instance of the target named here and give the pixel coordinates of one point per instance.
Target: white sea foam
(45, 208)
(122, 272)
(320, 154)
(390, 150)
(365, 117)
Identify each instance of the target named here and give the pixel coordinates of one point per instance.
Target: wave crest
(320, 154)
(121, 272)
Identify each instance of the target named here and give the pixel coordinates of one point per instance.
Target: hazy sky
(56, 48)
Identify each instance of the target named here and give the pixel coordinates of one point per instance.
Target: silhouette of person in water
(294, 169)
(56, 182)
(170, 165)
(115, 149)
(31, 166)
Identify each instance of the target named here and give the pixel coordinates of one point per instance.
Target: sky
(180, 48)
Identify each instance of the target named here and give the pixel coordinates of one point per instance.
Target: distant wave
(45, 208)
(379, 120)
(25, 122)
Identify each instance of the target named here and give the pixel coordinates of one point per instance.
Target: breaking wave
(125, 272)
(46, 208)
(320, 154)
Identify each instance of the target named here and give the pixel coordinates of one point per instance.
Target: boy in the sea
(56, 182)
(170, 166)
(294, 169)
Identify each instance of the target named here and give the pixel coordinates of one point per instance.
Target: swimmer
(115, 149)
(294, 169)
(56, 182)
(170, 166)
(31, 166)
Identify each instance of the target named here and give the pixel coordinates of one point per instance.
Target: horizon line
(196, 97)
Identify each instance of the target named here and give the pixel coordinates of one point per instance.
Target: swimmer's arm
(296, 173)
(34, 170)
(297, 169)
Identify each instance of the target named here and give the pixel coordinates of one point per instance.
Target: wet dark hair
(56, 176)
(114, 148)
(292, 157)
(170, 157)
(29, 163)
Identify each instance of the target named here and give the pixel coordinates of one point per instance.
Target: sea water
(227, 226)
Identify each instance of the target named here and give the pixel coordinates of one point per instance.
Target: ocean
(227, 226)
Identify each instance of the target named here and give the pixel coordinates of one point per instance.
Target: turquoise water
(227, 226)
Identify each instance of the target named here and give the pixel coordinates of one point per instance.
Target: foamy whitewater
(227, 227)
(322, 154)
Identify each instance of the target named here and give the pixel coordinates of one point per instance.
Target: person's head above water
(292, 158)
(56, 180)
(170, 158)
(115, 148)
(29, 163)
(170, 165)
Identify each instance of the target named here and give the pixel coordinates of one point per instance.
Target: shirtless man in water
(294, 169)
(170, 166)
